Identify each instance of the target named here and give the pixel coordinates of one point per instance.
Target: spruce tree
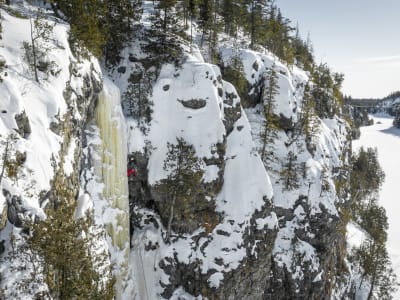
(184, 176)
(256, 20)
(232, 12)
(206, 8)
(120, 18)
(210, 26)
(289, 172)
(309, 121)
(270, 123)
(166, 20)
(69, 265)
(88, 22)
(234, 73)
(37, 49)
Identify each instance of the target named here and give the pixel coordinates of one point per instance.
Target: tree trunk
(34, 53)
(171, 217)
(253, 25)
(5, 157)
(371, 290)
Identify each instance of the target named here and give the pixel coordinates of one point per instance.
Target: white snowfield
(386, 139)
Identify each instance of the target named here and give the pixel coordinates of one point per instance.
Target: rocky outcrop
(396, 121)
(24, 127)
(3, 215)
(15, 209)
(193, 103)
(321, 232)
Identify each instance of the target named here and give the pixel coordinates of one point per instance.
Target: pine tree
(206, 9)
(184, 176)
(232, 12)
(376, 266)
(89, 26)
(9, 164)
(258, 10)
(120, 16)
(270, 123)
(166, 20)
(366, 175)
(136, 99)
(63, 244)
(210, 26)
(36, 51)
(234, 73)
(289, 172)
(309, 121)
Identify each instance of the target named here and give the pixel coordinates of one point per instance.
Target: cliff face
(42, 133)
(245, 233)
(243, 228)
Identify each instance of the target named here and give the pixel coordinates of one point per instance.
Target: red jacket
(131, 172)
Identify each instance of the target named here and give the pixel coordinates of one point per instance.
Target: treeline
(105, 26)
(260, 20)
(366, 178)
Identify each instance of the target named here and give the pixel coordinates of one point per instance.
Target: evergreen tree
(88, 20)
(210, 26)
(166, 19)
(232, 12)
(366, 175)
(206, 9)
(120, 16)
(270, 124)
(375, 263)
(309, 121)
(323, 91)
(234, 73)
(289, 172)
(63, 243)
(184, 175)
(136, 99)
(10, 165)
(258, 10)
(36, 50)
(303, 52)
(190, 10)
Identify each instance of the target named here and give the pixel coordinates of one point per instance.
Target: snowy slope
(43, 104)
(56, 109)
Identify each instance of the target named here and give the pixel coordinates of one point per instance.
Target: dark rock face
(285, 123)
(193, 103)
(321, 232)
(24, 127)
(69, 127)
(15, 210)
(396, 121)
(246, 282)
(201, 209)
(232, 113)
(3, 216)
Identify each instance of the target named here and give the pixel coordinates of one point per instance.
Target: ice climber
(131, 167)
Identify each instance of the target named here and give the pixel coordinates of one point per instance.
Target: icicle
(112, 171)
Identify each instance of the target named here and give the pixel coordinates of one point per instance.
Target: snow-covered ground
(387, 139)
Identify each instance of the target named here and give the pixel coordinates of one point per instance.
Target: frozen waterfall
(112, 170)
